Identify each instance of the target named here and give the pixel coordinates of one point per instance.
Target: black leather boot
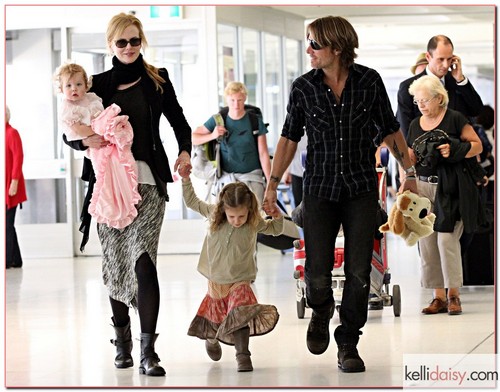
(123, 343)
(241, 340)
(149, 359)
(349, 360)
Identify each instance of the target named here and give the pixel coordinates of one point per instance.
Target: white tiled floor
(58, 329)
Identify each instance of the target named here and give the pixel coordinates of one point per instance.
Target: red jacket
(14, 166)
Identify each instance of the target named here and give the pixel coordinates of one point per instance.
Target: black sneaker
(349, 360)
(318, 335)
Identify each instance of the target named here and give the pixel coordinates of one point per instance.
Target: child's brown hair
(235, 195)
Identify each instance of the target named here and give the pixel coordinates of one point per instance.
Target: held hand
(183, 164)
(409, 184)
(269, 204)
(276, 214)
(95, 141)
(444, 149)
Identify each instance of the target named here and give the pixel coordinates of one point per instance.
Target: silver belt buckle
(432, 179)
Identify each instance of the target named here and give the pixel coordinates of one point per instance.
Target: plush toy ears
(404, 202)
(398, 226)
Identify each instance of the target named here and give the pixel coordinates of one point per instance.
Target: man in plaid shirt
(345, 111)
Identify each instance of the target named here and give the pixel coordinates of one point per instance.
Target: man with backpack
(239, 134)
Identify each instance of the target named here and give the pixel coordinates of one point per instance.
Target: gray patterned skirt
(122, 248)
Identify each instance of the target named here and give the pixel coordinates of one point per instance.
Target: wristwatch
(410, 170)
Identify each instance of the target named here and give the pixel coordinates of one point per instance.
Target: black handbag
(425, 145)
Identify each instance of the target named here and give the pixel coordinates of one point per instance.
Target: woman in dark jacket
(144, 93)
(440, 163)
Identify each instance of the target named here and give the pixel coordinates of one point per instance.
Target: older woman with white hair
(440, 142)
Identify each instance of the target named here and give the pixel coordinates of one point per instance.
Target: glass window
(250, 43)
(293, 63)
(273, 102)
(227, 57)
(43, 166)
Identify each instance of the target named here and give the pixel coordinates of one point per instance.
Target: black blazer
(463, 99)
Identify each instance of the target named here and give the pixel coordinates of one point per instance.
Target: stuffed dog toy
(410, 218)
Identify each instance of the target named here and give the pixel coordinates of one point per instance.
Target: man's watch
(410, 170)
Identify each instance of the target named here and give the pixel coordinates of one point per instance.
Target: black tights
(148, 297)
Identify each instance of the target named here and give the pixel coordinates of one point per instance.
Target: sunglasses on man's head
(313, 44)
(122, 43)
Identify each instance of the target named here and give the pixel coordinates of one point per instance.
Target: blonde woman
(442, 177)
(144, 93)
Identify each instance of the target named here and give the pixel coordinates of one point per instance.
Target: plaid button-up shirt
(342, 137)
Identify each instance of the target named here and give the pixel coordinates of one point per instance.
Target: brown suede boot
(241, 340)
(214, 349)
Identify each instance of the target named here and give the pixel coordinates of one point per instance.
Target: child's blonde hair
(234, 195)
(68, 70)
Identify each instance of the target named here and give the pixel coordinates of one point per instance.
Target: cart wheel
(396, 300)
(301, 308)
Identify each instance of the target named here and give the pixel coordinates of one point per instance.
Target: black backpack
(205, 157)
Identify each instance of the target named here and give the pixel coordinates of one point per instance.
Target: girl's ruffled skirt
(229, 307)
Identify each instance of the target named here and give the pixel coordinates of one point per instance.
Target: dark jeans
(13, 253)
(297, 189)
(322, 220)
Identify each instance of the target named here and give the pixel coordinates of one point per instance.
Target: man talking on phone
(447, 66)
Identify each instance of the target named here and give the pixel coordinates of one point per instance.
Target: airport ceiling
(397, 14)
(391, 36)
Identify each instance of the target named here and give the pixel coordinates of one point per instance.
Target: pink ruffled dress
(115, 192)
(82, 111)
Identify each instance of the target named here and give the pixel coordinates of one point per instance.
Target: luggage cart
(380, 277)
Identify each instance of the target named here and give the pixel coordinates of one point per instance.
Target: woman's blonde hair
(67, 71)
(117, 26)
(432, 85)
(7, 114)
(234, 195)
(235, 88)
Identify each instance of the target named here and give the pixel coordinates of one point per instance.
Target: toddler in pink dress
(82, 114)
